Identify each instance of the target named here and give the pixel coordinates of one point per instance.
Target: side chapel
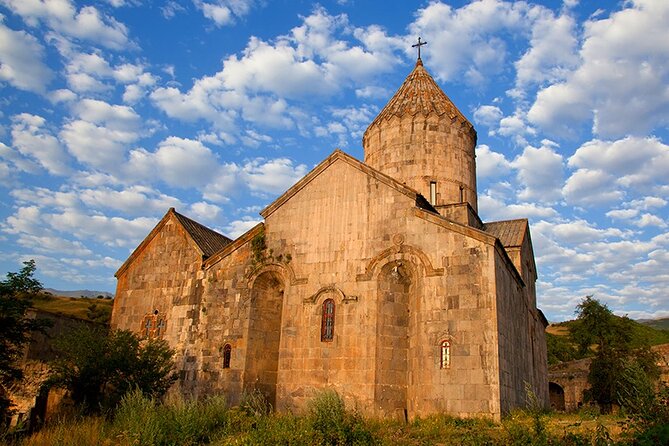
(377, 279)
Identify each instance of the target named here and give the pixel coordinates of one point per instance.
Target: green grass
(327, 421)
(658, 324)
(71, 306)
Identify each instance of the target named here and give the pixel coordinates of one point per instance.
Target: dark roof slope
(509, 232)
(208, 240)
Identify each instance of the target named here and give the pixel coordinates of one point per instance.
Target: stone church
(376, 279)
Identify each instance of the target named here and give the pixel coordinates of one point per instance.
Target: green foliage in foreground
(141, 420)
(99, 368)
(16, 294)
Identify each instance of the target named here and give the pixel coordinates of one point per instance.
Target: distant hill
(659, 324)
(561, 349)
(87, 308)
(79, 293)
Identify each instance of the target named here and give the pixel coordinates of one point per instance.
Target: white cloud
(310, 61)
(272, 176)
(114, 117)
(61, 15)
(22, 61)
(223, 12)
(238, 227)
(464, 42)
(493, 209)
(32, 138)
(540, 172)
(97, 146)
(488, 115)
(552, 52)
(62, 95)
(204, 212)
(607, 168)
(111, 231)
(651, 220)
(490, 164)
(619, 87)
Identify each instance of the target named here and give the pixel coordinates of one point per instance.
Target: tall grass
(327, 422)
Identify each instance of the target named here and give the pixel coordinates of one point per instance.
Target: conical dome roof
(419, 94)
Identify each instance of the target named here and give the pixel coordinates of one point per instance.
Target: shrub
(99, 368)
(333, 424)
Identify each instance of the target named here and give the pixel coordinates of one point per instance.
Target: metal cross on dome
(418, 45)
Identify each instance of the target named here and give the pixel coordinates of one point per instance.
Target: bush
(333, 424)
(99, 369)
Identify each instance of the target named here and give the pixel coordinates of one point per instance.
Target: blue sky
(113, 111)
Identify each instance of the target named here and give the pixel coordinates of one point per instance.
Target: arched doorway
(556, 393)
(395, 282)
(264, 335)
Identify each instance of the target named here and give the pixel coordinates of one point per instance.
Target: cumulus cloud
(62, 16)
(552, 52)
(540, 172)
(22, 61)
(111, 231)
(488, 115)
(490, 164)
(32, 138)
(618, 88)
(465, 42)
(493, 208)
(605, 169)
(312, 60)
(272, 176)
(238, 227)
(224, 12)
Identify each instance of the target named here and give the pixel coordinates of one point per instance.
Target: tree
(618, 364)
(16, 293)
(99, 368)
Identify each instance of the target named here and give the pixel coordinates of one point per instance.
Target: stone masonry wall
(350, 226)
(165, 277)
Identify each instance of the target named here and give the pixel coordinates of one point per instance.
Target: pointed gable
(205, 240)
(336, 156)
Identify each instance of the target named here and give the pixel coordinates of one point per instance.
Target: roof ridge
(208, 240)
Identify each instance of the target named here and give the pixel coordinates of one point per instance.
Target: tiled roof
(419, 94)
(207, 239)
(509, 232)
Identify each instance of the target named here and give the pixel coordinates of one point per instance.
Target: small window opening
(433, 193)
(160, 328)
(462, 194)
(227, 353)
(148, 323)
(445, 354)
(327, 321)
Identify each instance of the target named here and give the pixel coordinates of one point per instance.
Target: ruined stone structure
(376, 279)
(568, 381)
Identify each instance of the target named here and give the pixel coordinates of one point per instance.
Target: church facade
(376, 279)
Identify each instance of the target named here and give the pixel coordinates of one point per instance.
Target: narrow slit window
(227, 353)
(327, 321)
(433, 193)
(160, 328)
(147, 325)
(445, 354)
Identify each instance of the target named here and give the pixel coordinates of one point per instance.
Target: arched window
(327, 321)
(445, 360)
(227, 353)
